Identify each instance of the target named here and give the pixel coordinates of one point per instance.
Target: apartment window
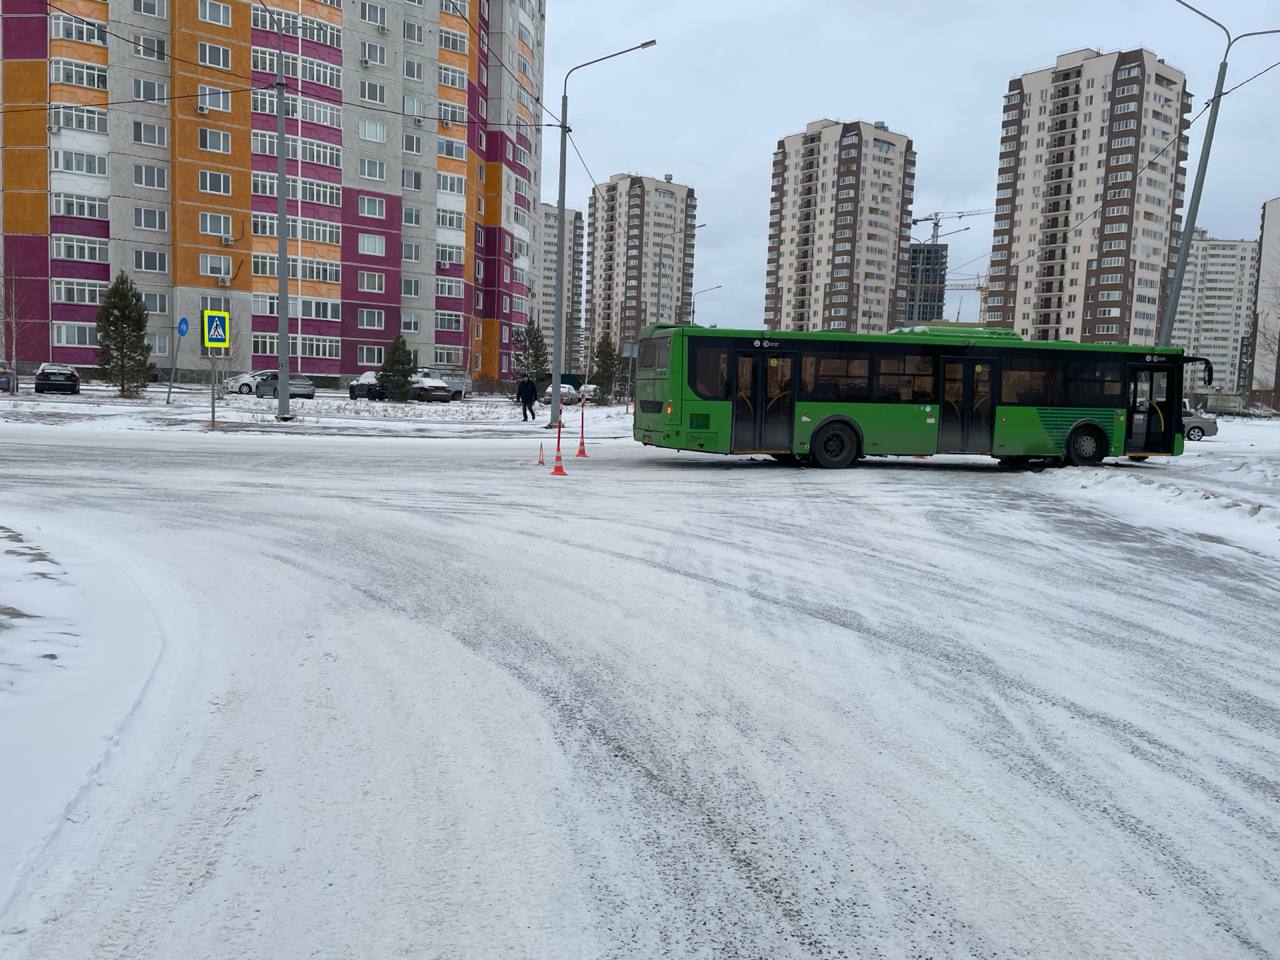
(64, 27)
(88, 292)
(412, 69)
(448, 147)
(373, 92)
(373, 169)
(370, 281)
(369, 356)
(213, 98)
(447, 253)
(213, 55)
(372, 244)
(211, 11)
(411, 179)
(410, 323)
(371, 319)
(411, 106)
(75, 335)
(448, 320)
(452, 40)
(213, 182)
(450, 183)
(448, 287)
(410, 251)
(150, 218)
(410, 287)
(155, 302)
(78, 205)
(151, 134)
(448, 356)
(84, 249)
(149, 48)
(151, 261)
(373, 207)
(74, 161)
(453, 77)
(412, 143)
(68, 117)
(451, 112)
(412, 216)
(151, 176)
(452, 219)
(215, 224)
(412, 31)
(373, 13)
(215, 265)
(375, 131)
(150, 8)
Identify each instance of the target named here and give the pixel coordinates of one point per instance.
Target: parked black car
(57, 378)
(366, 387)
(299, 386)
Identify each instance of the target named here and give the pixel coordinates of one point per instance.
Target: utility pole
(557, 346)
(282, 233)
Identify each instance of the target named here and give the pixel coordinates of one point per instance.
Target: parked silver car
(1196, 424)
(299, 386)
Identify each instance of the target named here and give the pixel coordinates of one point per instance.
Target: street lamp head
(648, 43)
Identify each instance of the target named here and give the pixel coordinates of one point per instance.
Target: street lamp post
(282, 233)
(557, 337)
(660, 240)
(1193, 208)
(693, 308)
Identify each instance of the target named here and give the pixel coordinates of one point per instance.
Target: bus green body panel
(885, 428)
(1043, 431)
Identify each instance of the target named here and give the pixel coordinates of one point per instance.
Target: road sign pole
(181, 330)
(213, 393)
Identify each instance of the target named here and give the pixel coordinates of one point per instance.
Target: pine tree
(397, 371)
(122, 337)
(537, 362)
(606, 365)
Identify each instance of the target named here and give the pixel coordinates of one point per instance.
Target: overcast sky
(729, 77)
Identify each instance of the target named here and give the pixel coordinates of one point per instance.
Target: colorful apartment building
(140, 136)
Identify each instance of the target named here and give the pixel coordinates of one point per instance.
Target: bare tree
(1265, 371)
(12, 309)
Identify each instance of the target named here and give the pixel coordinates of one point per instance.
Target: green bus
(833, 398)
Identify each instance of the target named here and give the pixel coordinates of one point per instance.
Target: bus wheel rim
(834, 444)
(1086, 445)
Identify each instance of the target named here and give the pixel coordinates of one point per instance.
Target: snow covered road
(416, 698)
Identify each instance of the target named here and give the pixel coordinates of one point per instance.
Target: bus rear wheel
(1086, 447)
(835, 446)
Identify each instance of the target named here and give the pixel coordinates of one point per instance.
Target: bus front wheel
(1086, 447)
(834, 446)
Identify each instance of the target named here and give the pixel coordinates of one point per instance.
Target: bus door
(967, 419)
(1152, 420)
(763, 402)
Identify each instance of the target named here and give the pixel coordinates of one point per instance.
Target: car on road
(456, 377)
(589, 393)
(57, 378)
(299, 386)
(7, 378)
(1196, 424)
(568, 394)
(245, 382)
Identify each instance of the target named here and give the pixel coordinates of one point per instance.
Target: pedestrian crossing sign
(217, 329)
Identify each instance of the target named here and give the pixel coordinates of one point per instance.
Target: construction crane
(939, 215)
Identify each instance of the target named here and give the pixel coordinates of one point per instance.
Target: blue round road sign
(183, 324)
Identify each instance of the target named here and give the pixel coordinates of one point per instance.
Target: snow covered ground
(327, 695)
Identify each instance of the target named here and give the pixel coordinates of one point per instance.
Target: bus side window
(1027, 380)
(904, 379)
(710, 371)
(1095, 382)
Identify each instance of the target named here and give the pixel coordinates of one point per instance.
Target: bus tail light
(668, 408)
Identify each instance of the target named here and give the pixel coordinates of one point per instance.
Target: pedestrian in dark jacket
(527, 394)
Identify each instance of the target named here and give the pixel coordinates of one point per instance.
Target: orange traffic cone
(558, 469)
(542, 461)
(582, 433)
